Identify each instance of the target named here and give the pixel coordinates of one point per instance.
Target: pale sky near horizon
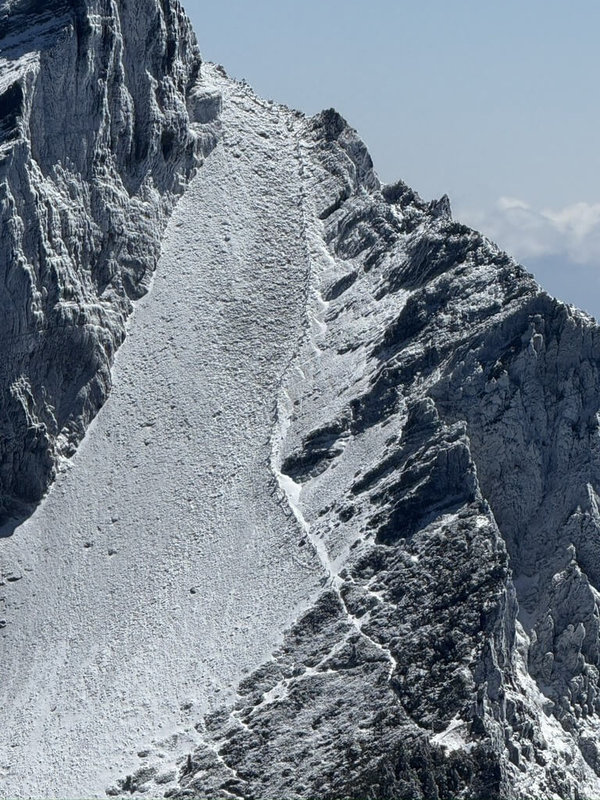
(493, 103)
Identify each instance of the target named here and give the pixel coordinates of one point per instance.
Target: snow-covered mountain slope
(163, 563)
(438, 437)
(334, 533)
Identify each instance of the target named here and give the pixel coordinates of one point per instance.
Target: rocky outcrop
(436, 434)
(104, 120)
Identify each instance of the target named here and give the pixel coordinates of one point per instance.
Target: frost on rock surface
(98, 135)
(335, 532)
(437, 440)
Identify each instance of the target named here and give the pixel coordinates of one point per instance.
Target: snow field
(163, 564)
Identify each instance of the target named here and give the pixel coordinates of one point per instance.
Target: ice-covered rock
(438, 439)
(97, 140)
(356, 371)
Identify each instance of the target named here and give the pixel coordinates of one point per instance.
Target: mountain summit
(299, 476)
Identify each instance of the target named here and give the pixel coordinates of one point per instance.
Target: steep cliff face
(370, 403)
(103, 122)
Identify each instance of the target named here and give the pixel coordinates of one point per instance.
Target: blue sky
(493, 103)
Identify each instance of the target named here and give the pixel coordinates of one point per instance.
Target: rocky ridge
(436, 440)
(438, 433)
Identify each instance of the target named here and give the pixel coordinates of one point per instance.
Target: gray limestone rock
(103, 120)
(436, 434)
(447, 485)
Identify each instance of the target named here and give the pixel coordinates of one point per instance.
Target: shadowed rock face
(436, 435)
(96, 143)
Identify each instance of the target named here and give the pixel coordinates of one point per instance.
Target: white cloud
(572, 232)
(511, 203)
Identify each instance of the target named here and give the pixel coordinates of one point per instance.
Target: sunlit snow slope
(162, 565)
